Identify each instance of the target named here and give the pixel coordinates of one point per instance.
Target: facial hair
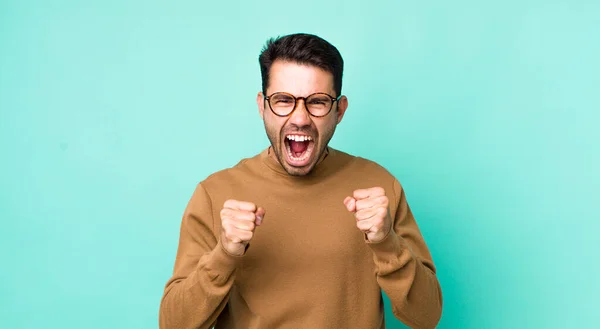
(320, 144)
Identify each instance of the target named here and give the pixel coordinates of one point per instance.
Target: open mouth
(299, 149)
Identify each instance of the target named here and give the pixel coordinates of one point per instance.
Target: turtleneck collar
(321, 169)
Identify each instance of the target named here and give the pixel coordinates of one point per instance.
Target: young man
(300, 235)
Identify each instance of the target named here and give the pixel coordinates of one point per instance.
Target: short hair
(305, 49)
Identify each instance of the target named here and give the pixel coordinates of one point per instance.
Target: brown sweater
(308, 265)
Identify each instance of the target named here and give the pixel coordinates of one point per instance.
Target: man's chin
(293, 170)
(298, 171)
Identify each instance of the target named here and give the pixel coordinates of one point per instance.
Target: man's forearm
(195, 301)
(411, 285)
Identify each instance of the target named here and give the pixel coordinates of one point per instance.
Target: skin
(239, 219)
(300, 80)
(370, 208)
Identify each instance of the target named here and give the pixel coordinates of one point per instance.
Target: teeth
(302, 158)
(305, 156)
(299, 138)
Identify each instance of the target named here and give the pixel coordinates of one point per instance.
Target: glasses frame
(333, 100)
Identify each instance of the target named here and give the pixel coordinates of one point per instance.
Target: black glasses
(317, 104)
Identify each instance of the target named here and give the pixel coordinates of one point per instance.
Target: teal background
(112, 111)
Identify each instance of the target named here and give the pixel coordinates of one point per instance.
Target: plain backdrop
(112, 111)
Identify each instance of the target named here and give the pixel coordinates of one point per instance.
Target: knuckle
(226, 223)
(239, 217)
(245, 217)
(224, 212)
(248, 236)
(358, 205)
(251, 207)
(229, 235)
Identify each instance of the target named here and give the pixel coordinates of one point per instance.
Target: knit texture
(308, 265)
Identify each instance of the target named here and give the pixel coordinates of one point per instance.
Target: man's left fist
(370, 207)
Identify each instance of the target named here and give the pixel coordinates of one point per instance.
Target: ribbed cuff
(221, 264)
(388, 249)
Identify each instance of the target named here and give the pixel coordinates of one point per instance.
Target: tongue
(298, 147)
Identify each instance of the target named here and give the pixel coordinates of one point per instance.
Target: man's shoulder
(366, 172)
(232, 174)
(366, 165)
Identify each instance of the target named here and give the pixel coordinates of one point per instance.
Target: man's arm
(403, 264)
(204, 272)
(405, 269)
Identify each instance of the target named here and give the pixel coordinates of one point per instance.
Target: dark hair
(303, 49)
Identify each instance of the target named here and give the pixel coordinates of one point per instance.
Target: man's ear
(260, 101)
(341, 108)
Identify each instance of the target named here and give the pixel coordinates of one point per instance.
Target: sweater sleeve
(204, 272)
(405, 269)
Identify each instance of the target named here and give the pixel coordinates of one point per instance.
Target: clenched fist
(238, 221)
(370, 208)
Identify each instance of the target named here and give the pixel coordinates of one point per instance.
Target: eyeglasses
(317, 104)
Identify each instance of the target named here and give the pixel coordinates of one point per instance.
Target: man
(300, 235)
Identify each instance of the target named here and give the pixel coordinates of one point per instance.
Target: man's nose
(300, 116)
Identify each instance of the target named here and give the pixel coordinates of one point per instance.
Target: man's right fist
(238, 221)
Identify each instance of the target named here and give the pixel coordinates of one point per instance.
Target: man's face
(299, 140)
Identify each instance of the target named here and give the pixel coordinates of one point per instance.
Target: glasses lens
(282, 103)
(319, 104)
